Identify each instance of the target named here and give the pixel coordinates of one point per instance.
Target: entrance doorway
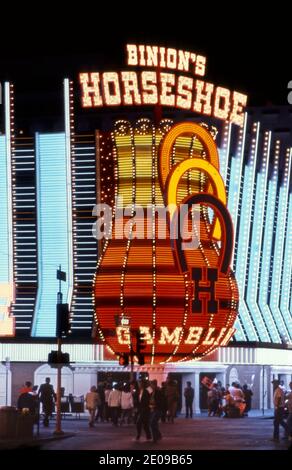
(114, 377)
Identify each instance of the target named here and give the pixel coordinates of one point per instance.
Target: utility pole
(263, 390)
(61, 276)
(132, 362)
(7, 365)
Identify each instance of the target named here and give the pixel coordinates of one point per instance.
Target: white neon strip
(267, 250)
(69, 188)
(234, 185)
(236, 165)
(287, 273)
(256, 242)
(224, 153)
(246, 219)
(9, 179)
(283, 322)
(52, 229)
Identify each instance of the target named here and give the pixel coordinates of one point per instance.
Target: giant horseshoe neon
(225, 223)
(215, 179)
(176, 131)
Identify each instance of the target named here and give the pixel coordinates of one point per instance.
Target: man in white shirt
(279, 404)
(114, 403)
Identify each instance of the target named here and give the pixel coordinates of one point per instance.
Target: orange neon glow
(139, 278)
(164, 88)
(199, 164)
(7, 321)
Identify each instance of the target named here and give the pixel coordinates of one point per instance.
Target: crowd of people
(145, 404)
(31, 396)
(142, 403)
(232, 401)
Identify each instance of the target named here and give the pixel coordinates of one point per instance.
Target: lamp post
(7, 365)
(263, 390)
(61, 276)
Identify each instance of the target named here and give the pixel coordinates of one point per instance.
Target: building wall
(79, 377)
(20, 373)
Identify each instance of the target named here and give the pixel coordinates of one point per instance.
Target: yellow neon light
(186, 127)
(216, 181)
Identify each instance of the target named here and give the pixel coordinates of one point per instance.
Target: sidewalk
(46, 435)
(201, 432)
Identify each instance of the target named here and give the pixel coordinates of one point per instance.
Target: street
(200, 433)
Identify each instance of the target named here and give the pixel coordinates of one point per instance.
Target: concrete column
(5, 386)
(264, 392)
(197, 393)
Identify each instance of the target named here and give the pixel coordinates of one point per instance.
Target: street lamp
(7, 365)
(264, 392)
(61, 276)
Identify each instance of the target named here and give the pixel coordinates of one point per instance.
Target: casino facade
(50, 183)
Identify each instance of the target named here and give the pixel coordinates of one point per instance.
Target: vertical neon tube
(287, 272)
(282, 320)
(256, 242)
(246, 219)
(236, 166)
(70, 279)
(263, 297)
(9, 181)
(224, 151)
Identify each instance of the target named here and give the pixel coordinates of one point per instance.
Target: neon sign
(183, 303)
(161, 87)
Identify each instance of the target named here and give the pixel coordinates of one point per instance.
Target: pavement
(200, 433)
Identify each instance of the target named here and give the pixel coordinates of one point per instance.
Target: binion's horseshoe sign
(182, 300)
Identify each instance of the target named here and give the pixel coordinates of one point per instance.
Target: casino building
(49, 185)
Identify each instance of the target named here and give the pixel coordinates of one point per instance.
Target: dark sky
(252, 57)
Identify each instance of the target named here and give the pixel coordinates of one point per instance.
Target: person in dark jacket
(189, 398)
(164, 402)
(156, 405)
(247, 398)
(101, 408)
(143, 404)
(28, 401)
(47, 397)
(172, 397)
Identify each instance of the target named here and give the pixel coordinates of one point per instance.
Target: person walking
(143, 417)
(114, 403)
(127, 405)
(47, 397)
(189, 394)
(101, 407)
(289, 420)
(247, 393)
(26, 388)
(156, 405)
(213, 400)
(92, 403)
(107, 391)
(279, 404)
(164, 402)
(172, 397)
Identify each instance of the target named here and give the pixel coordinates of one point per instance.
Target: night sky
(251, 57)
